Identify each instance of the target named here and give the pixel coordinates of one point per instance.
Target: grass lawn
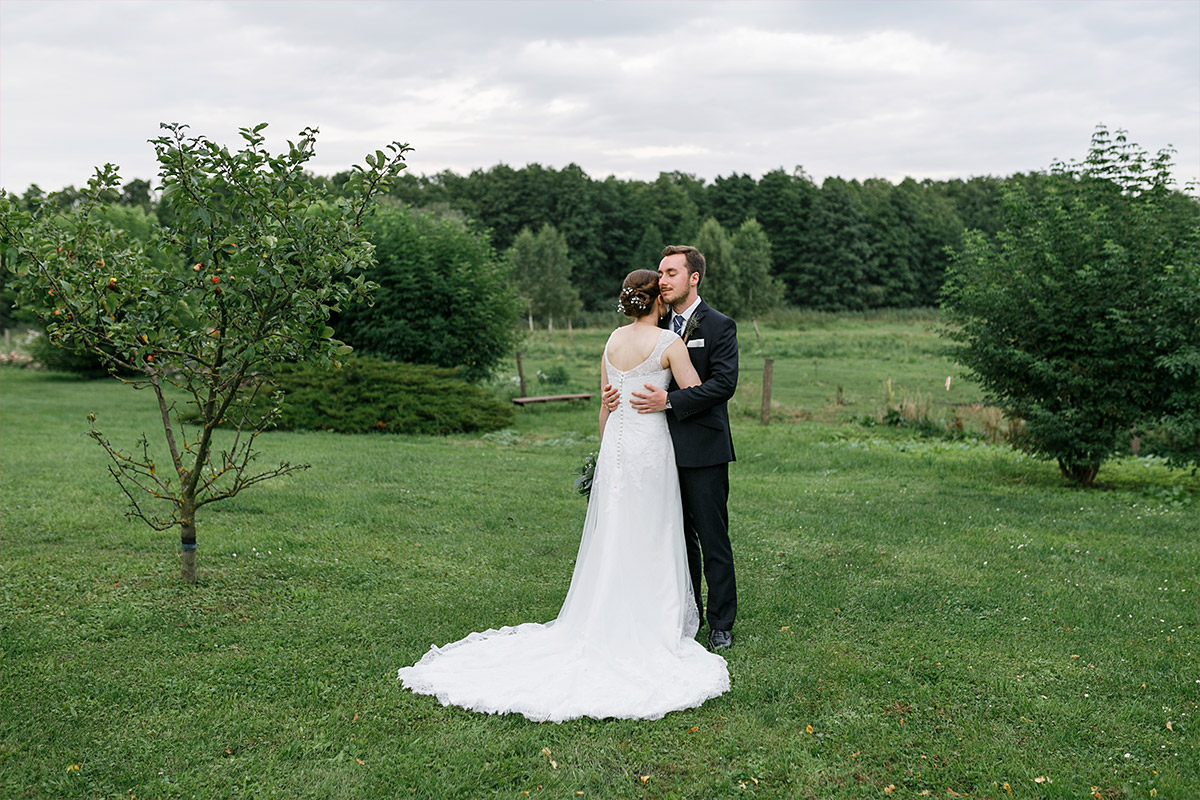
(918, 617)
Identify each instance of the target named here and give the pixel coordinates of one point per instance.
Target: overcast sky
(856, 89)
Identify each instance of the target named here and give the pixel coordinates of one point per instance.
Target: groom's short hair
(695, 259)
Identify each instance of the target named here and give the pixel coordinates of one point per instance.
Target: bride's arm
(680, 362)
(603, 407)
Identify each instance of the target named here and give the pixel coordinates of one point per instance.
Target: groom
(699, 422)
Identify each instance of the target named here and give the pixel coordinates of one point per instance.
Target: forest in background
(838, 245)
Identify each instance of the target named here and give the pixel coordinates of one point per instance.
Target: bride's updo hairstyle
(638, 293)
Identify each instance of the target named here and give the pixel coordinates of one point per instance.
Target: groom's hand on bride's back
(650, 402)
(610, 398)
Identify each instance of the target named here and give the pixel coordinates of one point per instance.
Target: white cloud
(658, 153)
(859, 90)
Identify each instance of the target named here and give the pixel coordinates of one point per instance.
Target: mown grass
(834, 368)
(917, 615)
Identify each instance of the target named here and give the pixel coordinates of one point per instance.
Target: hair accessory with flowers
(636, 302)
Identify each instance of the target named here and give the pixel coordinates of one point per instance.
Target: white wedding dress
(623, 644)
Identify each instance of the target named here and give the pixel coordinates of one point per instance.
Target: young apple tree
(260, 257)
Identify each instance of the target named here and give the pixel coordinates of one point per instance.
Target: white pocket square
(696, 343)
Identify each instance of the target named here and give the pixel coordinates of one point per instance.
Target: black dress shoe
(719, 640)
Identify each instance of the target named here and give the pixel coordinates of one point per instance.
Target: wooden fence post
(521, 374)
(768, 370)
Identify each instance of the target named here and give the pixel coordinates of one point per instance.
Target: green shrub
(554, 376)
(369, 395)
(60, 359)
(444, 296)
(1079, 316)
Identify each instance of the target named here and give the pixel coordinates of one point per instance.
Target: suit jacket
(699, 417)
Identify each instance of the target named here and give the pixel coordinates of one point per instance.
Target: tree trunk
(1083, 474)
(187, 543)
(757, 335)
(570, 332)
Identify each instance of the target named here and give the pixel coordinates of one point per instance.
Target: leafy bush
(1080, 317)
(369, 395)
(554, 376)
(59, 359)
(444, 296)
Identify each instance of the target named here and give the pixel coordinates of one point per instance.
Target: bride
(623, 643)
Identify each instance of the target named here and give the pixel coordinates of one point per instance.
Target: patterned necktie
(677, 324)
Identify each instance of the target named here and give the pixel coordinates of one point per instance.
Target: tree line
(838, 245)
(781, 239)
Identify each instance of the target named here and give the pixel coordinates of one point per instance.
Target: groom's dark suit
(699, 423)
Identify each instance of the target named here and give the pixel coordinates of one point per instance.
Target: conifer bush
(369, 395)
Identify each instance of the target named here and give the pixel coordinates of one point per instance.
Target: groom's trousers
(705, 495)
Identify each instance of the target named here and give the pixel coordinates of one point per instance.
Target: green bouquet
(587, 471)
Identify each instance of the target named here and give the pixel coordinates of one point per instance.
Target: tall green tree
(667, 205)
(444, 296)
(732, 200)
(541, 266)
(261, 260)
(1082, 315)
(839, 264)
(722, 286)
(621, 236)
(137, 193)
(760, 291)
(646, 255)
(784, 207)
(892, 214)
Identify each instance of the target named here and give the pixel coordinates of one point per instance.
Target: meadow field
(921, 615)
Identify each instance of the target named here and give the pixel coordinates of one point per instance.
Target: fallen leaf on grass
(891, 787)
(808, 729)
(693, 730)
(644, 778)
(74, 767)
(1042, 779)
(1172, 730)
(952, 793)
(1007, 788)
(361, 763)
